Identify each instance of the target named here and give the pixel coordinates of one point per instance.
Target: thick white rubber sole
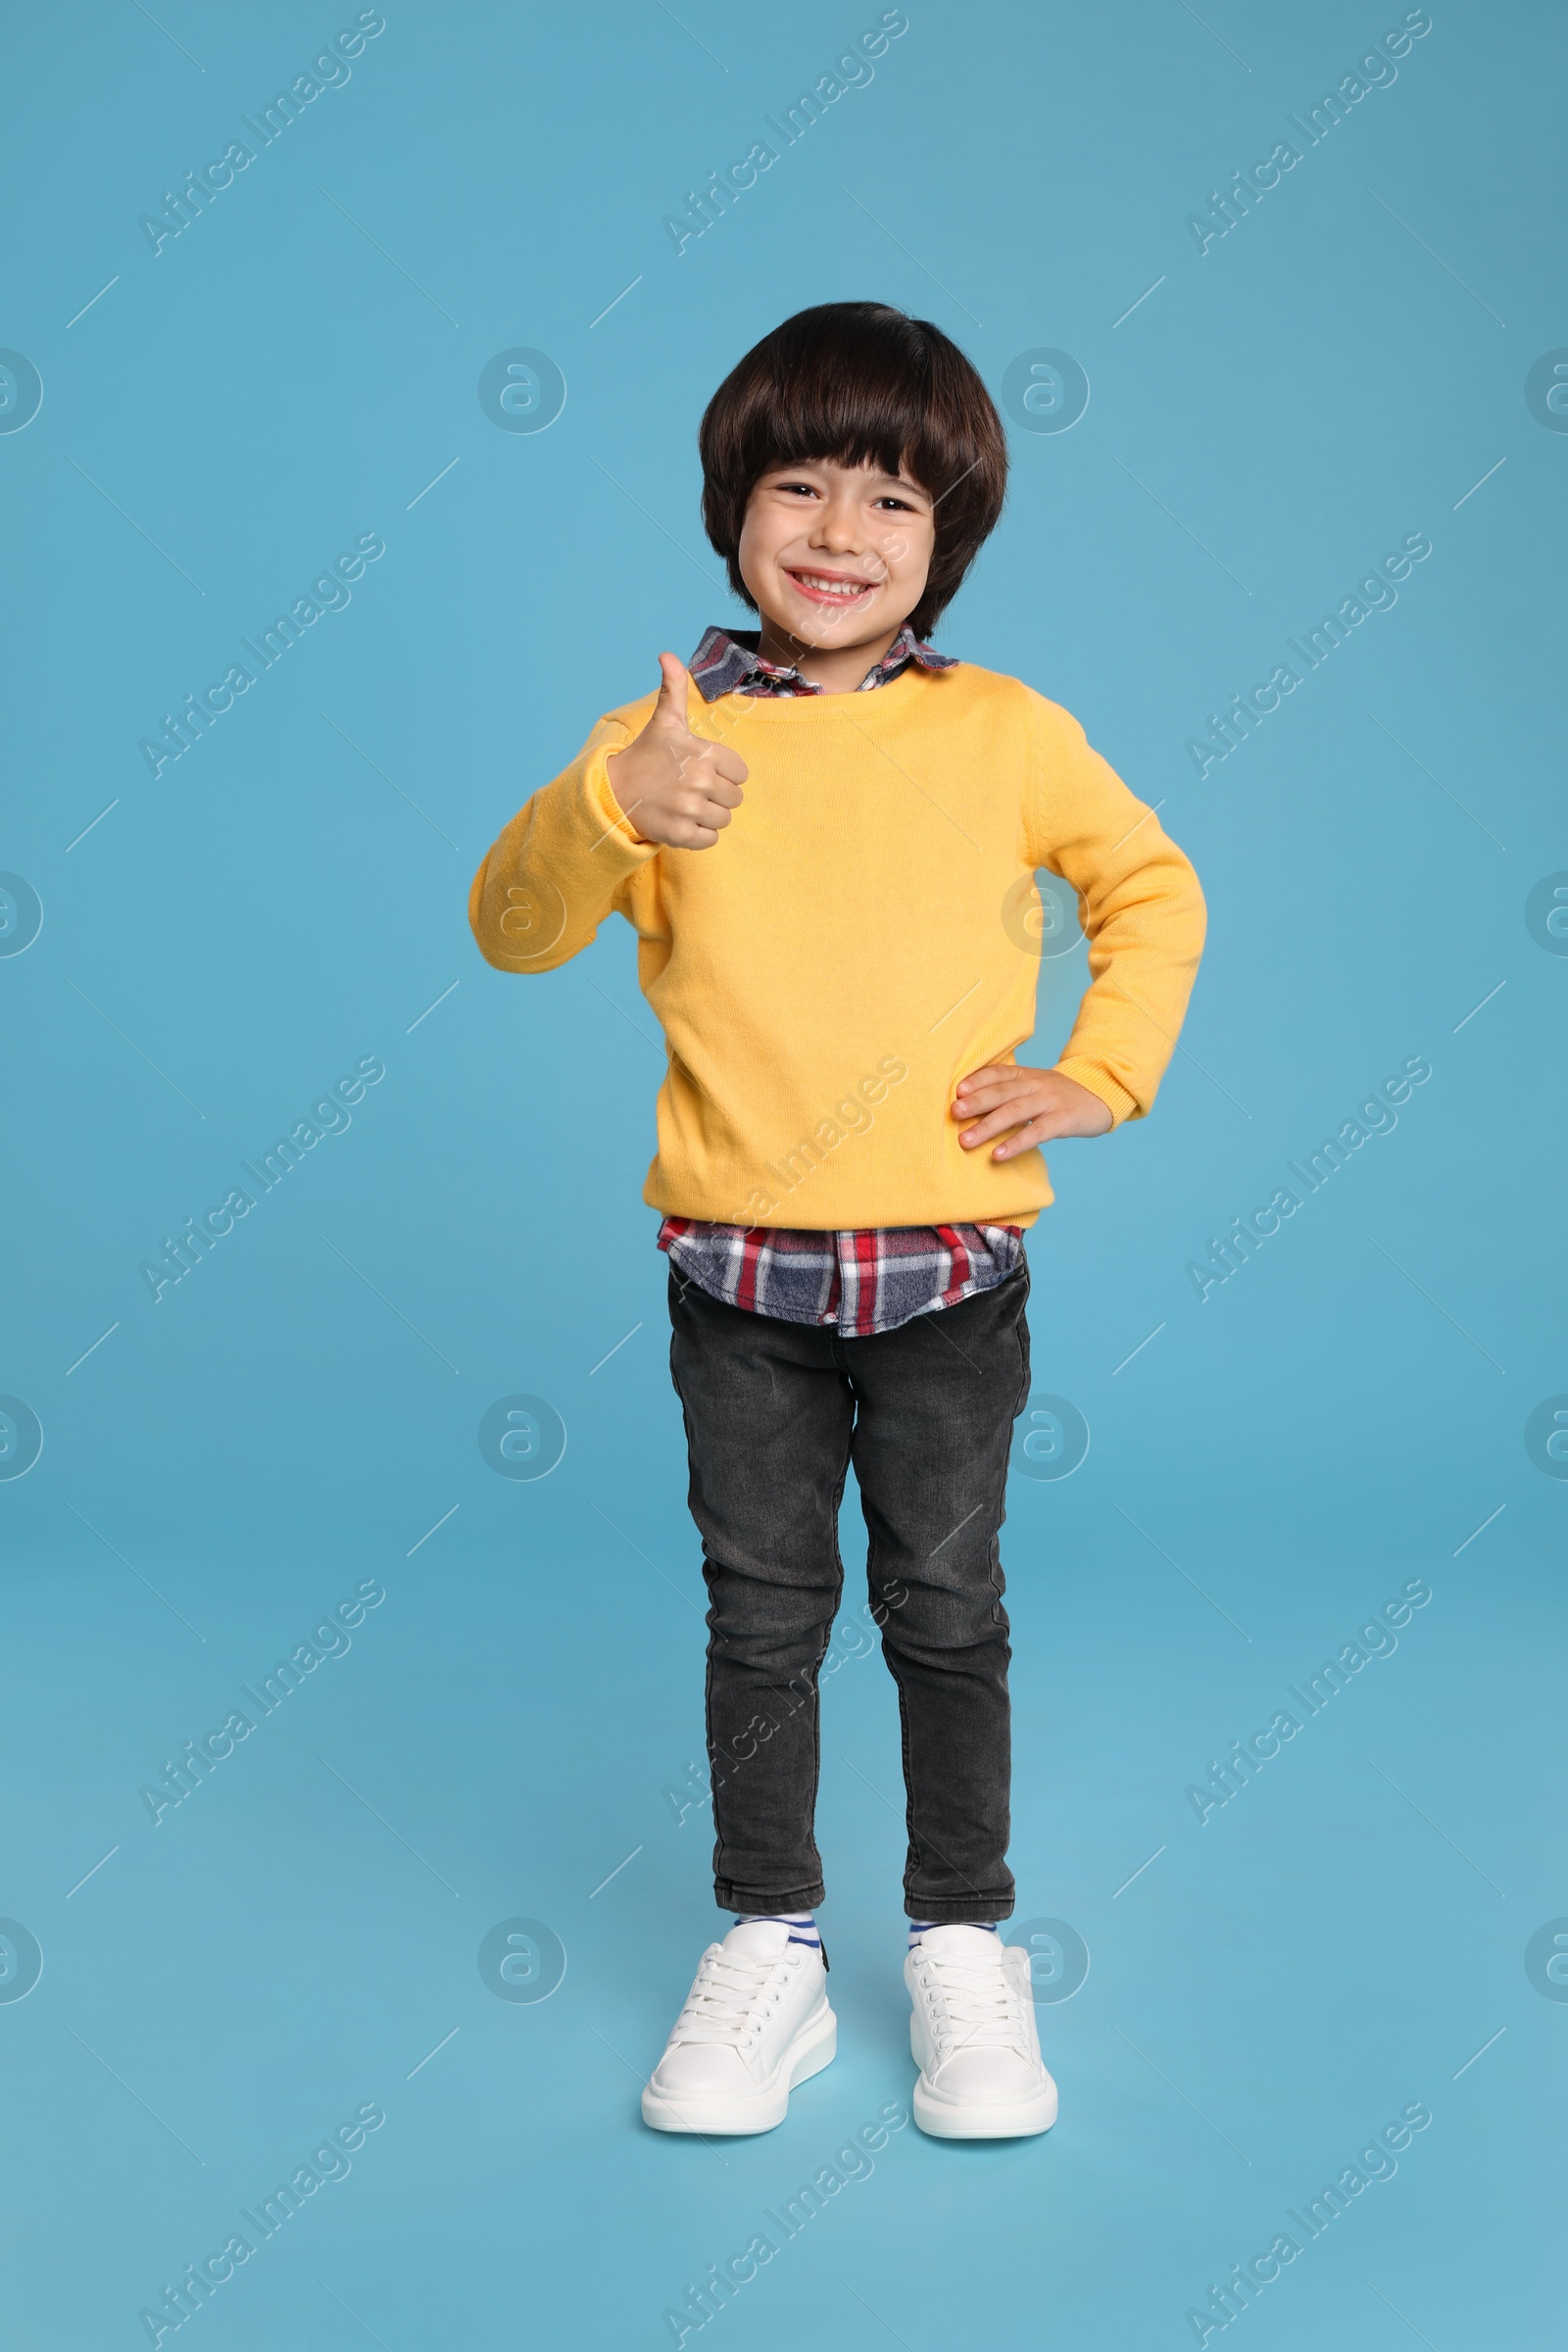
(948, 2119)
(813, 2047)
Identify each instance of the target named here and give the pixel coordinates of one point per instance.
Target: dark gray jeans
(775, 1412)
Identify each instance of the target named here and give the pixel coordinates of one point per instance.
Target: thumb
(673, 685)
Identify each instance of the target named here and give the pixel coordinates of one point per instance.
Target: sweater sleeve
(1139, 904)
(559, 867)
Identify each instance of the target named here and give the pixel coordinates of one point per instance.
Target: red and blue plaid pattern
(861, 1282)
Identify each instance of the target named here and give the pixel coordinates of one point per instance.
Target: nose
(838, 528)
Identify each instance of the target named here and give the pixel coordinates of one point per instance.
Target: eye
(805, 489)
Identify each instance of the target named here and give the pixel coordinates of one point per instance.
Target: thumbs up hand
(675, 787)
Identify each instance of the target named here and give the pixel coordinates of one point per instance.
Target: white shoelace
(972, 2008)
(722, 2005)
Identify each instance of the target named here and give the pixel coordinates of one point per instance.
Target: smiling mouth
(833, 587)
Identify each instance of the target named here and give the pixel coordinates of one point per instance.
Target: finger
(994, 1073)
(709, 817)
(1007, 1089)
(673, 686)
(1037, 1131)
(1000, 1109)
(998, 1122)
(704, 799)
(697, 768)
(704, 764)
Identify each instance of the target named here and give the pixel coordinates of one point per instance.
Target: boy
(825, 837)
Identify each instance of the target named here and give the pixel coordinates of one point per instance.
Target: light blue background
(295, 369)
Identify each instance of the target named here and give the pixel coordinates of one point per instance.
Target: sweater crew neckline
(811, 709)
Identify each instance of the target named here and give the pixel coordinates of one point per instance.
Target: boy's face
(835, 554)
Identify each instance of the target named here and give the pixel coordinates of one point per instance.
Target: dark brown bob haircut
(860, 383)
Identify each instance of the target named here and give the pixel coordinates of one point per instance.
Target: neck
(834, 668)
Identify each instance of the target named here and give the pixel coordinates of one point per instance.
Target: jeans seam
(915, 1854)
(720, 1857)
(827, 1638)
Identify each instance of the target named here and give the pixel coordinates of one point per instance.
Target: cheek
(765, 535)
(908, 551)
(754, 552)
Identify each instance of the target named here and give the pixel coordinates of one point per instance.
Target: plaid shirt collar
(728, 662)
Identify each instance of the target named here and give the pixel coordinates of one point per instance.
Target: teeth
(823, 587)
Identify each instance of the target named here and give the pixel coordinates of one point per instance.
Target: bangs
(860, 397)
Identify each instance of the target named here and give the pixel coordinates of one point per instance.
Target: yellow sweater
(856, 942)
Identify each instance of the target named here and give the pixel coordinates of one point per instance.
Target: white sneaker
(973, 2037)
(755, 2023)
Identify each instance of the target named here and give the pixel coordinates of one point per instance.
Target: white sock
(918, 1927)
(802, 1925)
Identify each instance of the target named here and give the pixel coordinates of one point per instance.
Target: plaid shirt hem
(859, 1283)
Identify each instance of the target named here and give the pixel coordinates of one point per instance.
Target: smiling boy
(825, 837)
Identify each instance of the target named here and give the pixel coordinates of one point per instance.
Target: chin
(820, 624)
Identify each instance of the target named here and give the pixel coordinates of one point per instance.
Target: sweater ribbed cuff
(602, 796)
(1118, 1100)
